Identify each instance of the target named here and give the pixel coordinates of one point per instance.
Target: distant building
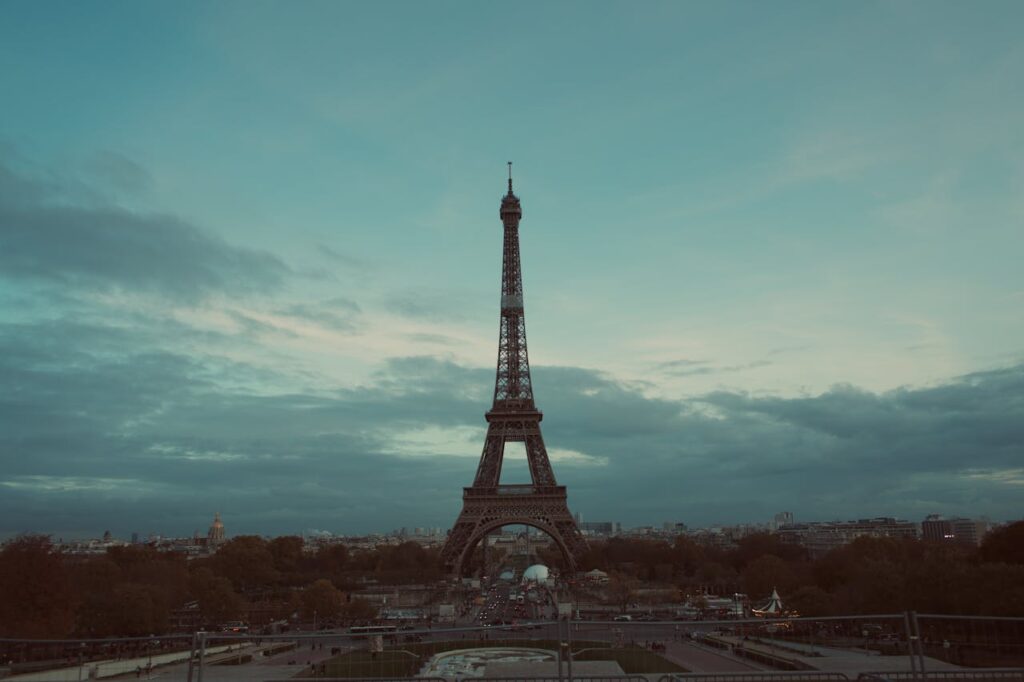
(937, 528)
(601, 527)
(782, 519)
(725, 537)
(215, 536)
(820, 537)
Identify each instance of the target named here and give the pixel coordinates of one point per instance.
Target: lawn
(405, 660)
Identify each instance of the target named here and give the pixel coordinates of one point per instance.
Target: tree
(1005, 545)
(95, 575)
(134, 611)
(765, 574)
(359, 609)
(321, 599)
(37, 598)
(756, 545)
(594, 557)
(811, 600)
(841, 565)
(332, 559)
(712, 574)
(163, 575)
(218, 601)
(999, 589)
(246, 562)
(287, 553)
(95, 579)
(407, 561)
(126, 610)
(875, 586)
(621, 590)
(687, 556)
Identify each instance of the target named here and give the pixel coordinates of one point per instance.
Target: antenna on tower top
(510, 177)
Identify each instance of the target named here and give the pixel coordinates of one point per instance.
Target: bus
(373, 629)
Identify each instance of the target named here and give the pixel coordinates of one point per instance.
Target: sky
(250, 259)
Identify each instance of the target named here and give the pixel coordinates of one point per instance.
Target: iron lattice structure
(513, 417)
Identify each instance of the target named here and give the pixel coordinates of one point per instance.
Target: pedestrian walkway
(699, 659)
(850, 662)
(142, 665)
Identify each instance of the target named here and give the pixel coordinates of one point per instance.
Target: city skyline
(250, 259)
(437, 533)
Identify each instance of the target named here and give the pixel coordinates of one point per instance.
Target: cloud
(96, 435)
(120, 172)
(340, 258)
(339, 314)
(427, 304)
(682, 363)
(689, 368)
(432, 339)
(250, 326)
(46, 236)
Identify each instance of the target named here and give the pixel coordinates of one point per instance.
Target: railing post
(558, 649)
(568, 650)
(915, 627)
(920, 643)
(202, 655)
(191, 658)
(908, 631)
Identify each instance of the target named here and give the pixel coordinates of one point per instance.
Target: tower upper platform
(511, 211)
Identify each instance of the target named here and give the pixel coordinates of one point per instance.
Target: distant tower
(488, 505)
(215, 536)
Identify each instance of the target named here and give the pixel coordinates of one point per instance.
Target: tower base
(487, 509)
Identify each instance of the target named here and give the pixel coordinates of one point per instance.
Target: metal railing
(995, 674)
(896, 647)
(801, 676)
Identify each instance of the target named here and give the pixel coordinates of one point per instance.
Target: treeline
(870, 575)
(138, 590)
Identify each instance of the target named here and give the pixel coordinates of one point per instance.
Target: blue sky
(250, 258)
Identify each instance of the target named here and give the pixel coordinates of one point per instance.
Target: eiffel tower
(488, 505)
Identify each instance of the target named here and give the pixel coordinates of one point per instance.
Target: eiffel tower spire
(513, 389)
(513, 417)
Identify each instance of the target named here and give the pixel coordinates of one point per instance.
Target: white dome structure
(537, 573)
(507, 575)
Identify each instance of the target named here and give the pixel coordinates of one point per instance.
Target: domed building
(215, 536)
(537, 573)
